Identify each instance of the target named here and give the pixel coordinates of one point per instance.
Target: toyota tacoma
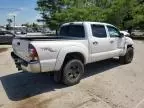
(76, 44)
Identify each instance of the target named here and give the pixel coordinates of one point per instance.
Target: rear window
(98, 31)
(72, 31)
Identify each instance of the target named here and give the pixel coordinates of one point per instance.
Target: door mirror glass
(121, 35)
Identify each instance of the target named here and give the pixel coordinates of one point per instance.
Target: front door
(116, 41)
(99, 43)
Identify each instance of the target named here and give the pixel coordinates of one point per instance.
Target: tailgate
(20, 47)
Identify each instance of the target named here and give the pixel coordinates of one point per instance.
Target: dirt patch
(3, 49)
(1, 105)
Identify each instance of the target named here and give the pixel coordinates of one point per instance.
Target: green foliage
(122, 13)
(9, 21)
(8, 26)
(138, 14)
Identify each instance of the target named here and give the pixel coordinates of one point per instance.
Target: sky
(24, 10)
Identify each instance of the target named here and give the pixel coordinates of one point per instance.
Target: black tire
(128, 57)
(72, 72)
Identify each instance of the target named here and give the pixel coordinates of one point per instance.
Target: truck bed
(47, 38)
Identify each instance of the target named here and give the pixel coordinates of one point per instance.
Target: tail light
(33, 53)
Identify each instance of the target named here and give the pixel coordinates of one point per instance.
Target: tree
(56, 12)
(8, 26)
(9, 21)
(34, 26)
(138, 14)
(27, 25)
(121, 13)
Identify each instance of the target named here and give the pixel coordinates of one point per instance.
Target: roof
(100, 23)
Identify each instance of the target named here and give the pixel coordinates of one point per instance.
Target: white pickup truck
(77, 44)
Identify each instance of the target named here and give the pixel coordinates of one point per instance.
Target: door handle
(112, 41)
(95, 42)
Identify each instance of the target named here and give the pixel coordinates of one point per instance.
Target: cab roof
(88, 22)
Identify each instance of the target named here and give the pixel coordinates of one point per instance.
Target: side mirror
(121, 35)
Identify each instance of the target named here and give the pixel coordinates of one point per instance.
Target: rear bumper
(33, 66)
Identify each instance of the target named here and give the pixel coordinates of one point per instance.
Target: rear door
(99, 42)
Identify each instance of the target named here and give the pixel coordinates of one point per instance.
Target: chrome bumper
(33, 66)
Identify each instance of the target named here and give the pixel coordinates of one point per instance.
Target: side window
(76, 31)
(73, 31)
(64, 31)
(98, 31)
(113, 32)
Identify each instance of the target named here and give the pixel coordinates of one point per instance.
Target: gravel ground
(106, 84)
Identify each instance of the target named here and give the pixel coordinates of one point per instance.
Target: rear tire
(72, 72)
(128, 57)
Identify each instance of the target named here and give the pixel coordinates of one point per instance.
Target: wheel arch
(75, 55)
(125, 48)
(72, 52)
(129, 45)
